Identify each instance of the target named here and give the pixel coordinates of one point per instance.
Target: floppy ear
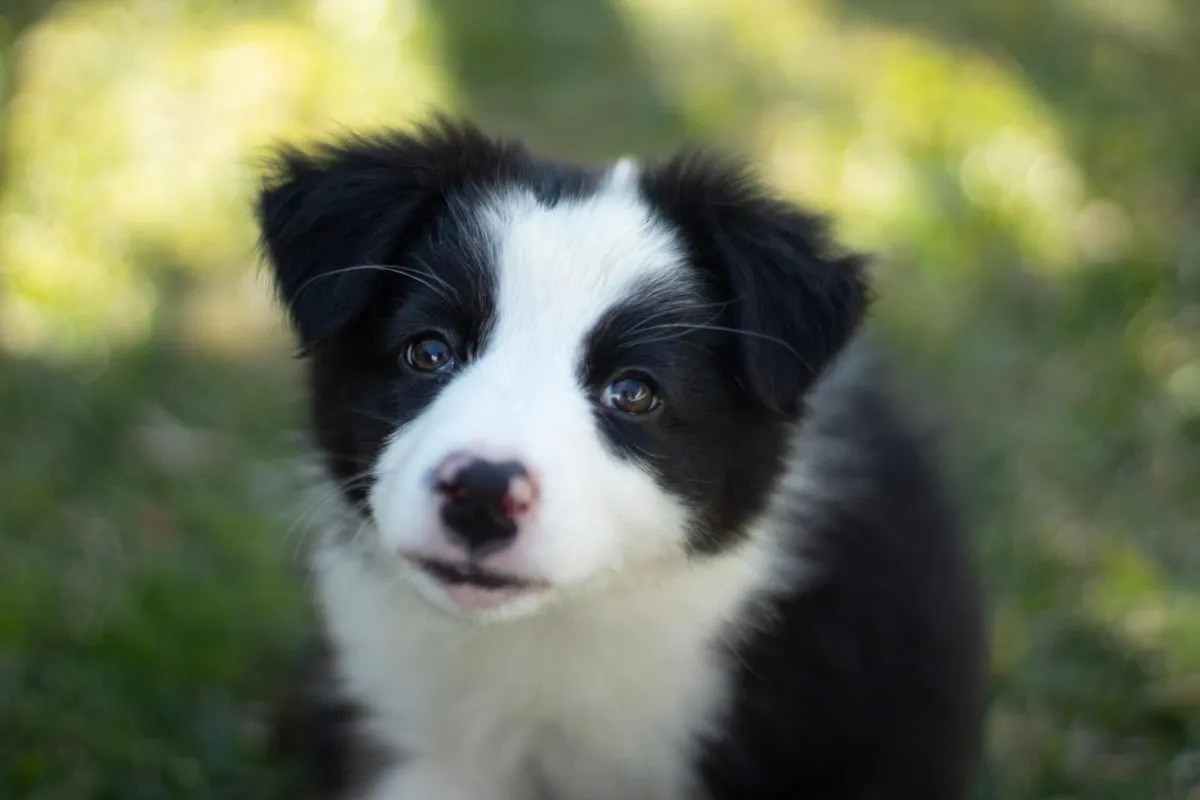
(324, 219)
(793, 302)
(328, 216)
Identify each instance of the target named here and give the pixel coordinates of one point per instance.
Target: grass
(146, 606)
(148, 593)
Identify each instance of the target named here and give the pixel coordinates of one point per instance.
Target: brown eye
(429, 354)
(630, 395)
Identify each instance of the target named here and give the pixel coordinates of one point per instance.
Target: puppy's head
(528, 375)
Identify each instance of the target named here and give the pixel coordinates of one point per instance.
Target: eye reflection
(429, 353)
(630, 394)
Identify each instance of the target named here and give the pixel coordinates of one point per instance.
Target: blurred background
(1027, 170)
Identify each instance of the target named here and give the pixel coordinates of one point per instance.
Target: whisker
(330, 494)
(656, 339)
(430, 272)
(645, 323)
(423, 279)
(394, 423)
(690, 326)
(329, 499)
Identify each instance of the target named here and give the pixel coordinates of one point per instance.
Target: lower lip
(474, 598)
(477, 599)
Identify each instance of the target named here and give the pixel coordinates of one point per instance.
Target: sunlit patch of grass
(890, 130)
(137, 133)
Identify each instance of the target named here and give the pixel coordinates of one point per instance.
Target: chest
(605, 698)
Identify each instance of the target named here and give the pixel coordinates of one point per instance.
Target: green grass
(149, 601)
(147, 605)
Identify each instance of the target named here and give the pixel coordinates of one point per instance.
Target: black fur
(880, 660)
(796, 301)
(864, 685)
(318, 731)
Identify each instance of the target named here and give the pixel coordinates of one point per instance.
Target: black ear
(793, 302)
(326, 218)
(330, 216)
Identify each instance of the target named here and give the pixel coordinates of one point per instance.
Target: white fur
(623, 174)
(600, 694)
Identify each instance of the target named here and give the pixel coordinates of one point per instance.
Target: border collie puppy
(627, 512)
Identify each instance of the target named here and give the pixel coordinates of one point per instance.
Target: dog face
(530, 376)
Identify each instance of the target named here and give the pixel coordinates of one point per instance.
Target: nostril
(445, 476)
(451, 489)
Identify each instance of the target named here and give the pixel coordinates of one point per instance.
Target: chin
(627, 508)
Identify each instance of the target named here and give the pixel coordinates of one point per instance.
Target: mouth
(472, 589)
(470, 574)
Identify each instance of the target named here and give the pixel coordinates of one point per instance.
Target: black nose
(479, 506)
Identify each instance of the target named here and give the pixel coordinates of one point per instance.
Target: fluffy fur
(755, 588)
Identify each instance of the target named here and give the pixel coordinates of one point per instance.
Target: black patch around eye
(653, 335)
(452, 291)
(706, 444)
(361, 390)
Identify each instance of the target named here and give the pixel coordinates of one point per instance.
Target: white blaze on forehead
(560, 268)
(623, 175)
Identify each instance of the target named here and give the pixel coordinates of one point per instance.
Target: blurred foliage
(1027, 173)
